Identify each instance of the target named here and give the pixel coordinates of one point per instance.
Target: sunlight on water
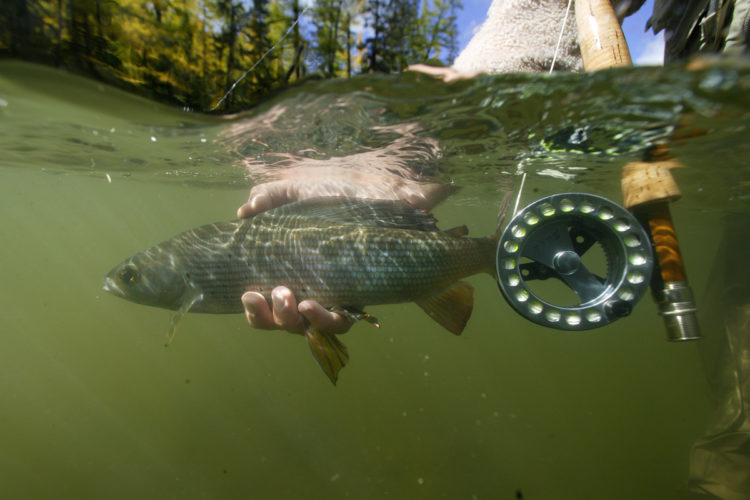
(95, 406)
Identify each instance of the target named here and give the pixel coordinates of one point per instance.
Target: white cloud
(652, 52)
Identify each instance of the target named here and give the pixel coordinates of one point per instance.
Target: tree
(439, 29)
(375, 19)
(404, 34)
(233, 17)
(327, 21)
(190, 52)
(298, 45)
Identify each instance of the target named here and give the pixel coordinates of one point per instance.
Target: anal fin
(452, 307)
(328, 351)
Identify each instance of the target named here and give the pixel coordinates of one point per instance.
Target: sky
(645, 48)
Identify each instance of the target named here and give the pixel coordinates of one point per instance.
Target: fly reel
(596, 249)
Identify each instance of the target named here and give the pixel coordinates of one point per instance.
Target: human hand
(303, 183)
(286, 314)
(446, 74)
(345, 183)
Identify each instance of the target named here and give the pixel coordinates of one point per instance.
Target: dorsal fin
(357, 211)
(457, 231)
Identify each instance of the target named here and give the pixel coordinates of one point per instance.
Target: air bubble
(509, 263)
(535, 307)
(510, 246)
(587, 207)
(522, 295)
(514, 280)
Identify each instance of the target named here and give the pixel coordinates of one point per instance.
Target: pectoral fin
(328, 351)
(191, 298)
(452, 307)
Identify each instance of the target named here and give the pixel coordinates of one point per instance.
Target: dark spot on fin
(452, 307)
(328, 351)
(457, 231)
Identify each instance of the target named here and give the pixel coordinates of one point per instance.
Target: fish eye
(129, 274)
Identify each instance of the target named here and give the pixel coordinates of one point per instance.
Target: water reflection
(396, 169)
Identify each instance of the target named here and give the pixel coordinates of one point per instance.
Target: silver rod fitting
(677, 307)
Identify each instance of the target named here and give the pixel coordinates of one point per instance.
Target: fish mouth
(111, 287)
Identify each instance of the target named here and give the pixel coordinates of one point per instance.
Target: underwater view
(95, 405)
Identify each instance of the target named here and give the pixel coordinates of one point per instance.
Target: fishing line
(289, 30)
(520, 191)
(559, 39)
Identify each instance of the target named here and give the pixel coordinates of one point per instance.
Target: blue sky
(645, 48)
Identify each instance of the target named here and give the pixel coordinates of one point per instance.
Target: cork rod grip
(600, 36)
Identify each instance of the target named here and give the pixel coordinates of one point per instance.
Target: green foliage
(191, 52)
(406, 32)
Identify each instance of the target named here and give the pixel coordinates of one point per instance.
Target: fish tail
(328, 351)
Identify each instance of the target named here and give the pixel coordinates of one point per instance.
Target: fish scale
(343, 253)
(336, 265)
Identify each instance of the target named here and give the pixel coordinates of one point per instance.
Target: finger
(323, 320)
(285, 313)
(259, 202)
(269, 195)
(257, 311)
(424, 196)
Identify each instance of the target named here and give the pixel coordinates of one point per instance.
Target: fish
(344, 253)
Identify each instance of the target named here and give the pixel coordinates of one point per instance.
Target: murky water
(95, 407)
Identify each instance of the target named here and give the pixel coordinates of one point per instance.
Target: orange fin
(328, 351)
(452, 307)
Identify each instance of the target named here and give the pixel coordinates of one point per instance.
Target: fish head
(151, 278)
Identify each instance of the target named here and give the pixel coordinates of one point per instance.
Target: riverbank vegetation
(190, 52)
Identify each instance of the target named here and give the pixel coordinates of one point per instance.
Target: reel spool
(556, 237)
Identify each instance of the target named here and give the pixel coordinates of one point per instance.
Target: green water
(93, 405)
